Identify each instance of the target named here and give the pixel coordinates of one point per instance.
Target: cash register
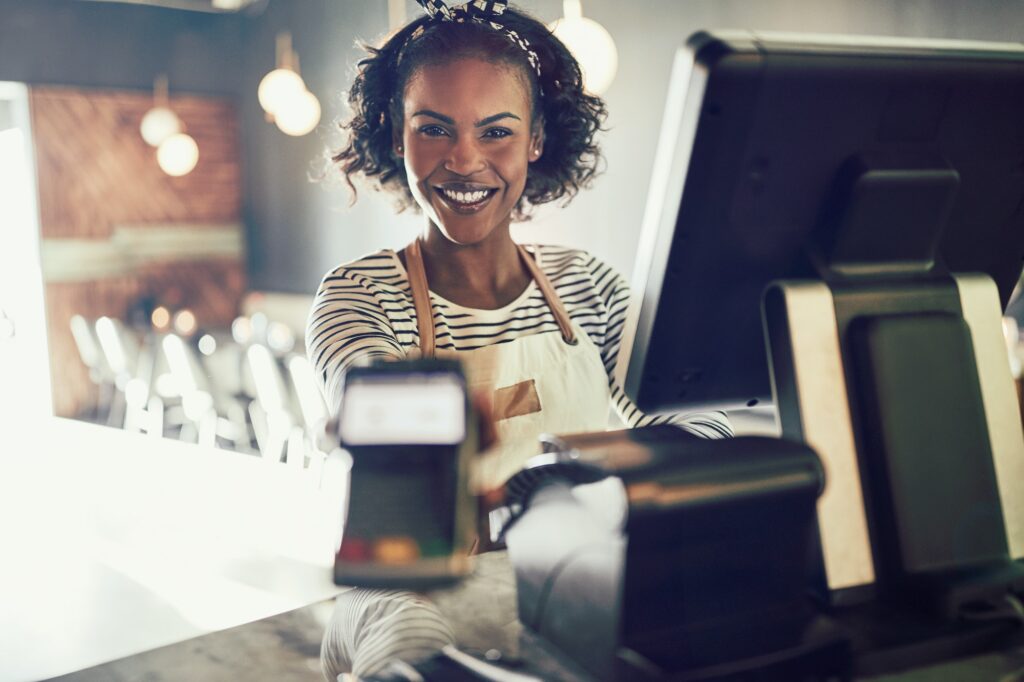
(834, 226)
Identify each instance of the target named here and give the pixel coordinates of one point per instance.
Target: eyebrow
(478, 124)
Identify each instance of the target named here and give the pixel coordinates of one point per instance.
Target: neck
(487, 274)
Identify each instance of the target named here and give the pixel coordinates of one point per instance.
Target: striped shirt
(365, 309)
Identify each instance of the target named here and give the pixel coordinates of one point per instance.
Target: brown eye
(497, 133)
(433, 131)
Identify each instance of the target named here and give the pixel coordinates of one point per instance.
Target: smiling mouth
(465, 199)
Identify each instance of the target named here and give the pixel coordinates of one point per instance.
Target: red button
(354, 549)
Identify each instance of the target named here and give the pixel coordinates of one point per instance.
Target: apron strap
(420, 298)
(550, 295)
(425, 315)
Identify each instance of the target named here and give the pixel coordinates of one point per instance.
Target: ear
(537, 142)
(396, 145)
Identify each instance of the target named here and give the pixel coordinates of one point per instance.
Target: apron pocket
(516, 400)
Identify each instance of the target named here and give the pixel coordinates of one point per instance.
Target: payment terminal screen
(403, 434)
(417, 408)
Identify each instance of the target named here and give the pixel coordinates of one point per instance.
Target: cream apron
(543, 383)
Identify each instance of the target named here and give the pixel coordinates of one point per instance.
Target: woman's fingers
(488, 434)
(486, 427)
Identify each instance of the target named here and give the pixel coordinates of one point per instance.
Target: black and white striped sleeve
(347, 323)
(615, 293)
(371, 628)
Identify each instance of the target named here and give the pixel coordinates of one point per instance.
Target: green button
(435, 547)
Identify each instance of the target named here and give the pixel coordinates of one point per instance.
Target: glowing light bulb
(299, 114)
(185, 322)
(277, 88)
(591, 45)
(161, 317)
(178, 155)
(158, 124)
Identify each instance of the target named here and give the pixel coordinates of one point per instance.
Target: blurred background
(164, 223)
(161, 285)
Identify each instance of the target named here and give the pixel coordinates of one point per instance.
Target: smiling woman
(557, 103)
(474, 114)
(472, 121)
(467, 167)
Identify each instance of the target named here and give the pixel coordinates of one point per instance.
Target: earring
(399, 149)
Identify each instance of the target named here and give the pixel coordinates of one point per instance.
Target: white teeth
(465, 197)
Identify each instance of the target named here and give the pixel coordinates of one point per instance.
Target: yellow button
(400, 549)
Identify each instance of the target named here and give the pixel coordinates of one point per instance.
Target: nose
(465, 156)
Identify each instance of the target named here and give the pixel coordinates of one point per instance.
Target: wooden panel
(96, 173)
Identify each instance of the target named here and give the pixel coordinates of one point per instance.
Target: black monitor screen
(777, 158)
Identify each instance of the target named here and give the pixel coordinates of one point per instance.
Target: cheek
(416, 172)
(421, 159)
(512, 163)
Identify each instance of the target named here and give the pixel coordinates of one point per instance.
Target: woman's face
(467, 141)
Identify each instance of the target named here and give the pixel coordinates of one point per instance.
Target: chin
(466, 230)
(464, 235)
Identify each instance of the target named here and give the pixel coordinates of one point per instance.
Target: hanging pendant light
(160, 122)
(299, 115)
(284, 81)
(178, 155)
(591, 45)
(283, 94)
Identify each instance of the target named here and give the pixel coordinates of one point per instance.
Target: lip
(464, 186)
(464, 209)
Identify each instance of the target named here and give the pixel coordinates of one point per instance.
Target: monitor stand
(903, 388)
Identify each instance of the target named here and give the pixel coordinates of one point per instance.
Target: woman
(474, 114)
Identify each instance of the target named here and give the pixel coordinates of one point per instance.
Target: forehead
(467, 89)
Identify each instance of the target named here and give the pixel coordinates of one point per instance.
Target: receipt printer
(651, 554)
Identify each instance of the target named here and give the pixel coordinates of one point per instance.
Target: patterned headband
(483, 12)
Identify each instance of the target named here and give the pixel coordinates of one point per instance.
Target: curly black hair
(571, 117)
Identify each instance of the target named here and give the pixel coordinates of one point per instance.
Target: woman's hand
(489, 498)
(487, 429)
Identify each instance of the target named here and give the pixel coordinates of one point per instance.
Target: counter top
(117, 543)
